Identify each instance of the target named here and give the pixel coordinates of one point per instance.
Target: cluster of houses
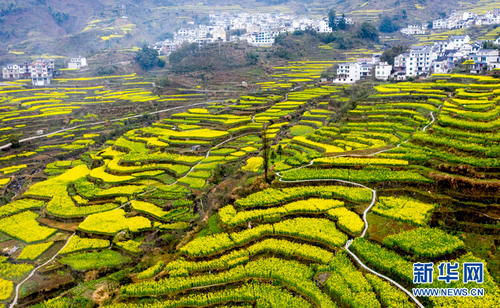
(40, 71)
(424, 60)
(256, 29)
(457, 20)
(351, 72)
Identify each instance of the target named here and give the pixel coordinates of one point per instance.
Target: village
(456, 20)
(421, 61)
(260, 30)
(256, 29)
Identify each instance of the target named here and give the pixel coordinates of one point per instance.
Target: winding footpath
(33, 271)
(365, 213)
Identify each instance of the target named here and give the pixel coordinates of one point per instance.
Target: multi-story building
(439, 24)
(484, 59)
(348, 73)
(419, 60)
(458, 41)
(400, 61)
(440, 66)
(42, 72)
(265, 38)
(414, 29)
(77, 63)
(383, 71)
(365, 69)
(10, 71)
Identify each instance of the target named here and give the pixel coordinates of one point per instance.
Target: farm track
(365, 212)
(6, 146)
(18, 286)
(33, 271)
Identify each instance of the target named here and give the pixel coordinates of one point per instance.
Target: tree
(266, 147)
(387, 26)
(14, 141)
(332, 22)
(165, 36)
(280, 150)
(342, 23)
(368, 31)
(389, 54)
(490, 45)
(252, 58)
(148, 58)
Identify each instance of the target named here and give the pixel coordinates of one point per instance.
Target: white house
(440, 66)
(41, 72)
(439, 24)
(376, 57)
(484, 58)
(348, 73)
(265, 38)
(323, 26)
(10, 71)
(414, 29)
(77, 63)
(383, 71)
(420, 60)
(458, 41)
(365, 69)
(400, 61)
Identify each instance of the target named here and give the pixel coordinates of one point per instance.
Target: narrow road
(6, 146)
(365, 213)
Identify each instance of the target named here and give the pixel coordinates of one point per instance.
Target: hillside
(62, 27)
(178, 210)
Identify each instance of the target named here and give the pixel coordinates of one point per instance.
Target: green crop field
(176, 211)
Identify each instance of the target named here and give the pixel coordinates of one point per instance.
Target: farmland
(175, 210)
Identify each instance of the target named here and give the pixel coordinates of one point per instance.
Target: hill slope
(67, 27)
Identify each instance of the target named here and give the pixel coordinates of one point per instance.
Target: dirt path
(365, 213)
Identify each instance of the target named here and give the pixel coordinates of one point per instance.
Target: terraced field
(409, 174)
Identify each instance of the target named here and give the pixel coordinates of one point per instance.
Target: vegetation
(25, 227)
(175, 210)
(425, 242)
(404, 209)
(148, 58)
(31, 252)
(113, 222)
(94, 260)
(77, 243)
